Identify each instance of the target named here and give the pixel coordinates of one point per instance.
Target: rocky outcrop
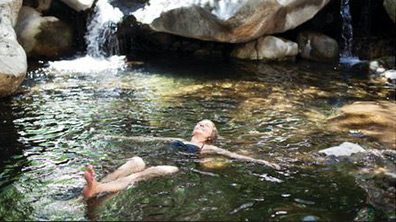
(317, 47)
(382, 69)
(266, 48)
(13, 64)
(43, 36)
(79, 5)
(233, 21)
(390, 7)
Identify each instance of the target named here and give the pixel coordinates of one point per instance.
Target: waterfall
(346, 56)
(101, 31)
(102, 45)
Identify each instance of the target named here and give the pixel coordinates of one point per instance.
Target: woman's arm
(209, 149)
(143, 139)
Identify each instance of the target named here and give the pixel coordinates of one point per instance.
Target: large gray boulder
(266, 48)
(79, 5)
(390, 7)
(317, 47)
(43, 36)
(13, 64)
(234, 21)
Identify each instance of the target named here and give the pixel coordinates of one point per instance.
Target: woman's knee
(136, 163)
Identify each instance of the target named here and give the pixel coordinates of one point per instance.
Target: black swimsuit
(182, 147)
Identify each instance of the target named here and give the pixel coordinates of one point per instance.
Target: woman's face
(204, 128)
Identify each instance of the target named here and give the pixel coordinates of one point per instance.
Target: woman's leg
(94, 187)
(135, 164)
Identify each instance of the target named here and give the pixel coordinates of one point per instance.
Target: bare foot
(90, 189)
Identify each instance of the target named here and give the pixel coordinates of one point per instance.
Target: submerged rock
(232, 21)
(371, 118)
(214, 163)
(379, 184)
(373, 171)
(345, 149)
(13, 64)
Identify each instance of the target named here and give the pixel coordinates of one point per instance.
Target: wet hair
(214, 136)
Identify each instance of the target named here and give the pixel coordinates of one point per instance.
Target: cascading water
(101, 36)
(346, 56)
(102, 43)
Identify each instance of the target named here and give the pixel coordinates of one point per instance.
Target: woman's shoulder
(185, 146)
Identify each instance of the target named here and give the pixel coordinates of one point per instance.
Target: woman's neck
(197, 141)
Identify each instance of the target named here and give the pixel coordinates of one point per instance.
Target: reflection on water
(275, 112)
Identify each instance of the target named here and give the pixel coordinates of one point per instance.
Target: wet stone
(345, 149)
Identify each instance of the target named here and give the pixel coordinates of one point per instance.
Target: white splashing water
(88, 65)
(102, 28)
(222, 9)
(346, 56)
(101, 31)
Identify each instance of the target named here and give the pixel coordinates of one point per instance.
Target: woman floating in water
(203, 136)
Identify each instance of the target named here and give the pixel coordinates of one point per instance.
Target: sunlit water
(64, 119)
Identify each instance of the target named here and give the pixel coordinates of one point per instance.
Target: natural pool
(63, 120)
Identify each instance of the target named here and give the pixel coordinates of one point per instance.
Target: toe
(88, 177)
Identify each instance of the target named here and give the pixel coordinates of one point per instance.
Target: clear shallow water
(64, 120)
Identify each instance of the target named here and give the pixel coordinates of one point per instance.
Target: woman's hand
(273, 165)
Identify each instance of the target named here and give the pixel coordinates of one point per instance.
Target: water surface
(63, 120)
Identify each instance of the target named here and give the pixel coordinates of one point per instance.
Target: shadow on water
(10, 147)
(274, 111)
(12, 161)
(204, 69)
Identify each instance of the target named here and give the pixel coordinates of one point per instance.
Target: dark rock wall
(76, 20)
(137, 41)
(374, 31)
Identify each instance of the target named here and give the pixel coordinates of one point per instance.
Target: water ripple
(273, 112)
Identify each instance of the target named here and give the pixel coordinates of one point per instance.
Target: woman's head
(206, 129)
